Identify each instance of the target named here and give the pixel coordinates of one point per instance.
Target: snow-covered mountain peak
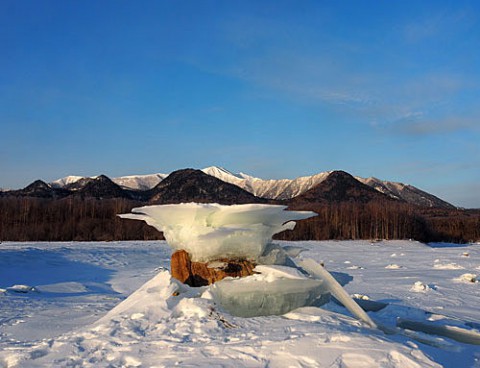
(268, 188)
(405, 192)
(135, 182)
(219, 172)
(62, 182)
(246, 176)
(140, 182)
(372, 179)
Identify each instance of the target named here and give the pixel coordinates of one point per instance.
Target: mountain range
(216, 184)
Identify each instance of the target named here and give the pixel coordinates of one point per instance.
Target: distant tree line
(456, 225)
(91, 219)
(386, 220)
(347, 220)
(71, 218)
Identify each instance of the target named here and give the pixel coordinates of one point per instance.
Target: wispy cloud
(318, 77)
(418, 124)
(414, 106)
(322, 70)
(432, 25)
(420, 127)
(307, 76)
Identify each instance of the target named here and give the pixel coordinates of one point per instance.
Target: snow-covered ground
(114, 305)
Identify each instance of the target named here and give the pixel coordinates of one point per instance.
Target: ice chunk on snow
(63, 287)
(21, 289)
(212, 231)
(293, 251)
(274, 254)
(275, 290)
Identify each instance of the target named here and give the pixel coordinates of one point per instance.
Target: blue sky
(274, 89)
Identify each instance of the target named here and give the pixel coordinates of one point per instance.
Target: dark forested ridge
(195, 186)
(340, 187)
(347, 209)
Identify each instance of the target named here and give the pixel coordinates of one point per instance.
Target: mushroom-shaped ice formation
(213, 231)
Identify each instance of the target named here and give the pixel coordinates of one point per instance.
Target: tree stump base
(205, 273)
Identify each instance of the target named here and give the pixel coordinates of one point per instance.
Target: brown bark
(201, 274)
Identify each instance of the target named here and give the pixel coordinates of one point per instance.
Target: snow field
(114, 305)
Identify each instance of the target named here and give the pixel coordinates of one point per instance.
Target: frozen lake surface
(61, 305)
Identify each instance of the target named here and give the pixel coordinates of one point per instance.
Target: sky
(274, 89)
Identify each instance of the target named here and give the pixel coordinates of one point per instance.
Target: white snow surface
(211, 231)
(112, 304)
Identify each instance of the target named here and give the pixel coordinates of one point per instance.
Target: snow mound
(355, 267)
(149, 301)
(360, 296)
(447, 266)
(469, 278)
(22, 289)
(420, 287)
(212, 231)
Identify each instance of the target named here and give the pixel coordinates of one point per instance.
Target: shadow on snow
(53, 272)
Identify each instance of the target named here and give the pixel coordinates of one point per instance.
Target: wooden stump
(206, 273)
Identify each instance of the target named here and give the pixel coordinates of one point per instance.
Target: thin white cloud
(418, 125)
(429, 26)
